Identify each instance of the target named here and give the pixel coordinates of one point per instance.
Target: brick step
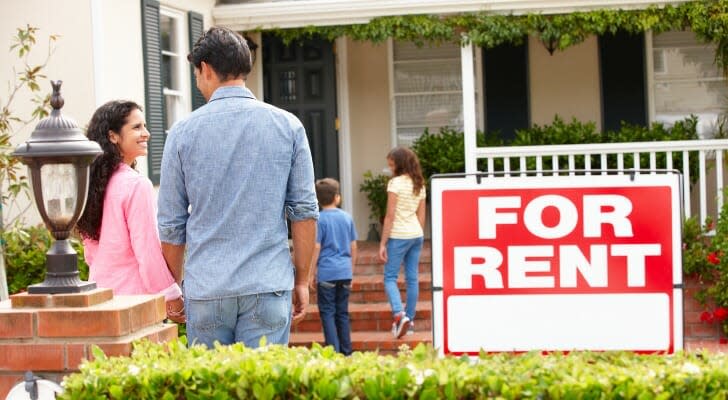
(370, 289)
(368, 263)
(377, 268)
(375, 325)
(367, 340)
(369, 253)
(367, 317)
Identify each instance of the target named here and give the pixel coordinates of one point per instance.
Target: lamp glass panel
(60, 188)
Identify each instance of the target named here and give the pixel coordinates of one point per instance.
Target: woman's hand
(176, 310)
(383, 252)
(312, 284)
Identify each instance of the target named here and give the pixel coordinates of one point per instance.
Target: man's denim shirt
(231, 173)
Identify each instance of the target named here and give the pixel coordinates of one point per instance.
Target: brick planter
(52, 335)
(699, 335)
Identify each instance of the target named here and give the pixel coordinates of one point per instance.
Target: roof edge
(300, 13)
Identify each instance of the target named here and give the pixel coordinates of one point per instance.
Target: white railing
(702, 157)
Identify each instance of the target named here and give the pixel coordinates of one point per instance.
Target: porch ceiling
(248, 15)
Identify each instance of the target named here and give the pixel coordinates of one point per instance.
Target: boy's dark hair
(226, 52)
(326, 191)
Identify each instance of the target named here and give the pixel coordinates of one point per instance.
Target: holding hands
(176, 310)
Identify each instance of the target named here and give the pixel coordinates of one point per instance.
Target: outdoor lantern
(58, 156)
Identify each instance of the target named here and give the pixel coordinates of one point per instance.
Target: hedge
(25, 251)
(173, 371)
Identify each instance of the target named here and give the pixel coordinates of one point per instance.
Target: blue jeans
(407, 252)
(333, 303)
(243, 319)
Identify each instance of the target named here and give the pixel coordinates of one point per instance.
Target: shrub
(375, 188)
(705, 256)
(173, 371)
(444, 152)
(575, 132)
(25, 256)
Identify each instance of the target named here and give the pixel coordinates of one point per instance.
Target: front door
(300, 78)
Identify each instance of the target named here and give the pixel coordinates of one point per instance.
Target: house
(358, 98)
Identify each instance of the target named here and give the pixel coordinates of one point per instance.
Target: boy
(332, 263)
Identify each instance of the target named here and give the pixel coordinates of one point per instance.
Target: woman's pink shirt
(128, 256)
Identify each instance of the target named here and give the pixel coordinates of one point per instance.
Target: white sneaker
(401, 323)
(411, 329)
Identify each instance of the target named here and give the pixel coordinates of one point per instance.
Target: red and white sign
(557, 263)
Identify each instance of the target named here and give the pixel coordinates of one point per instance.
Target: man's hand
(300, 302)
(176, 310)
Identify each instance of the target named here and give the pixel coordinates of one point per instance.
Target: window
(426, 89)
(687, 81)
(175, 68)
(169, 88)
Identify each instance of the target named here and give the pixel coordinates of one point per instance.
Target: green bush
(25, 256)
(443, 152)
(575, 132)
(375, 188)
(705, 257)
(173, 371)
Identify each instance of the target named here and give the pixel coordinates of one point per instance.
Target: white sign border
(441, 183)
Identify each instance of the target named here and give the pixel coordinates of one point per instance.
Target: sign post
(557, 263)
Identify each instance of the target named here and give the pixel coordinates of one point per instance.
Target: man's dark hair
(224, 50)
(326, 191)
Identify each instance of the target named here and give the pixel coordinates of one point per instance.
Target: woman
(403, 234)
(119, 226)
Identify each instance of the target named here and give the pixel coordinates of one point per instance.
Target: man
(231, 174)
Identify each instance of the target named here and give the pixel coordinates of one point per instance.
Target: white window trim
(182, 70)
(479, 89)
(392, 103)
(650, 66)
(342, 100)
(479, 95)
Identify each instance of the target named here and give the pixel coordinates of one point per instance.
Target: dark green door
(301, 79)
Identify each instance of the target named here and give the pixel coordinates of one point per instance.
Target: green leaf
(98, 353)
(116, 392)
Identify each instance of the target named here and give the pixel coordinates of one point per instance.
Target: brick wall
(52, 335)
(699, 335)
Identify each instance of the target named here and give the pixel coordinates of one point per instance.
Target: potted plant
(375, 188)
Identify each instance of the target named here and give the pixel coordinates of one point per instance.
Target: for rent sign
(557, 263)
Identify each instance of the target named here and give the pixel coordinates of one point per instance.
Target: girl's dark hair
(406, 163)
(225, 50)
(109, 117)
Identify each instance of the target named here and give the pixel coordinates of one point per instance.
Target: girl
(118, 225)
(402, 234)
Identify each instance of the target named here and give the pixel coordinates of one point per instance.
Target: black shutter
(505, 72)
(153, 86)
(622, 66)
(196, 28)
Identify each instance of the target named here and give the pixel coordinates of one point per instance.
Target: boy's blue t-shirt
(336, 231)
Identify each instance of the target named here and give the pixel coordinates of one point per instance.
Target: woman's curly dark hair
(109, 117)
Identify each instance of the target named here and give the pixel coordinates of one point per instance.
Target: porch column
(469, 123)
